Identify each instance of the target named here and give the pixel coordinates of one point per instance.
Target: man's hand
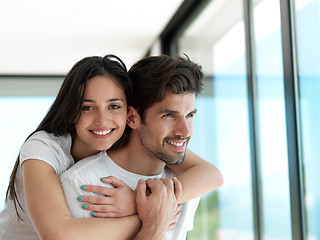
(119, 201)
(157, 208)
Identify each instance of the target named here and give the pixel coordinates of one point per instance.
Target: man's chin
(178, 162)
(175, 161)
(171, 159)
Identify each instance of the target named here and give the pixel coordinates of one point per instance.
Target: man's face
(168, 126)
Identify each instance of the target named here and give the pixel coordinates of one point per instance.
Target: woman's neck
(78, 151)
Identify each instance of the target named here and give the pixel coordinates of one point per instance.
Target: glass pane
(22, 116)
(216, 41)
(272, 143)
(308, 51)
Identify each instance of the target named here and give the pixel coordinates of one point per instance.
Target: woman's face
(103, 117)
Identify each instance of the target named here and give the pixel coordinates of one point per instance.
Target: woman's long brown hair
(66, 109)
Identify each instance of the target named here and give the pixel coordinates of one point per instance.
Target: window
(23, 108)
(216, 40)
(308, 52)
(271, 122)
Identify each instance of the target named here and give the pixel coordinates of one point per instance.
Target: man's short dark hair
(152, 76)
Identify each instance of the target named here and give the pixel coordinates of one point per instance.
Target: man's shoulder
(86, 165)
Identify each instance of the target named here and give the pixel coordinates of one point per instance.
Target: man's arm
(156, 209)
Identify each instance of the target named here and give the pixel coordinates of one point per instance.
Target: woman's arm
(197, 176)
(51, 217)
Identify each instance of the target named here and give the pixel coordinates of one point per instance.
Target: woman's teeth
(101, 132)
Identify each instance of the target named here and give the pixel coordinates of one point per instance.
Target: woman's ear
(133, 118)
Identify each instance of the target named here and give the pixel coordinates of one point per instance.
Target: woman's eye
(114, 106)
(87, 108)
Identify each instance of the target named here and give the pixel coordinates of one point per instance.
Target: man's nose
(183, 127)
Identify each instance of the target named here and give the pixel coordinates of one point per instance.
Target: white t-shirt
(42, 146)
(90, 170)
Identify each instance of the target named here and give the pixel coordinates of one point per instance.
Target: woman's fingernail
(176, 224)
(103, 178)
(83, 187)
(84, 206)
(80, 198)
(93, 214)
(180, 212)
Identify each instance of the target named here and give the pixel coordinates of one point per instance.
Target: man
(161, 123)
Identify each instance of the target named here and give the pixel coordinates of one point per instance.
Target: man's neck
(133, 158)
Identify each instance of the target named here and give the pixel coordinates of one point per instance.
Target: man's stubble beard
(146, 142)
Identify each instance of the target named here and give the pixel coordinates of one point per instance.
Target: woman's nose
(101, 118)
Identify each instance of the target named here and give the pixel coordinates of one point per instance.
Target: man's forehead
(171, 95)
(176, 102)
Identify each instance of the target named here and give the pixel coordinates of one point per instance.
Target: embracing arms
(196, 175)
(52, 219)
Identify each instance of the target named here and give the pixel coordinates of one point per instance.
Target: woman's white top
(45, 147)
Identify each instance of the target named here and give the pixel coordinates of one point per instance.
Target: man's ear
(133, 118)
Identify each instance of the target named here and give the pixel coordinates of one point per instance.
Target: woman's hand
(175, 217)
(119, 201)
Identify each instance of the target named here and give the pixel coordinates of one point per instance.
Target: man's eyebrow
(109, 100)
(194, 111)
(168, 111)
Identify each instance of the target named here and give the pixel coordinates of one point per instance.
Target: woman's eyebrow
(115, 99)
(109, 100)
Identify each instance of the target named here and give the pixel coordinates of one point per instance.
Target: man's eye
(190, 115)
(168, 115)
(87, 108)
